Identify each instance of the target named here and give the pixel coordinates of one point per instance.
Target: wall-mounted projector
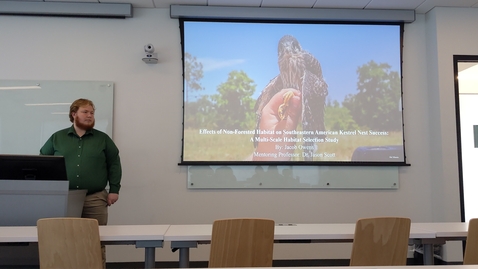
(150, 57)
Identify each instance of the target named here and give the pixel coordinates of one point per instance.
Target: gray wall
(148, 115)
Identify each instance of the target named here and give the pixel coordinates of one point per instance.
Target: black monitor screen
(32, 167)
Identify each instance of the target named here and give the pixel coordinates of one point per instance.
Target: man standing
(92, 160)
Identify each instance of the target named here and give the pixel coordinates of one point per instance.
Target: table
(184, 237)
(148, 237)
(444, 231)
(374, 267)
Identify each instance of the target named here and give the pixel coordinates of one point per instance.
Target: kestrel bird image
(298, 69)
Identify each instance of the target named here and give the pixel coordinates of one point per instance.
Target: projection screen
(292, 93)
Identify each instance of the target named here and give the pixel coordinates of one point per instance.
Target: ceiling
(420, 6)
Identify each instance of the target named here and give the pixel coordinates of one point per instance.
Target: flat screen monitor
(292, 93)
(32, 167)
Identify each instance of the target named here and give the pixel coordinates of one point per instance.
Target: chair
(471, 249)
(242, 243)
(69, 243)
(380, 241)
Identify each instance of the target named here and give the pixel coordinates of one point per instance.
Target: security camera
(150, 57)
(149, 48)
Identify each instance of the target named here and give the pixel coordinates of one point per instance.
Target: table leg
(149, 257)
(184, 257)
(428, 255)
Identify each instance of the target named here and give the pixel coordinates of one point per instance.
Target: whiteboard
(293, 177)
(31, 111)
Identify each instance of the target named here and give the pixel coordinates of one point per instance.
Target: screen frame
(296, 163)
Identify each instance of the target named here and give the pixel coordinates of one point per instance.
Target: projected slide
(289, 92)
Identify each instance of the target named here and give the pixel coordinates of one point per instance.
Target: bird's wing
(314, 94)
(274, 86)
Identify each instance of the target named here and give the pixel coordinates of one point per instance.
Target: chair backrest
(471, 249)
(380, 241)
(69, 243)
(242, 243)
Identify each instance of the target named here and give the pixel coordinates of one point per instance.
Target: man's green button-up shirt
(92, 161)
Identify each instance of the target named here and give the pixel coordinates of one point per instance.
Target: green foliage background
(375, 106)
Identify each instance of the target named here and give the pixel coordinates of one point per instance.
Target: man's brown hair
(79, 103)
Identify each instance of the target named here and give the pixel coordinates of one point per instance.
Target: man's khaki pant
(96, 207)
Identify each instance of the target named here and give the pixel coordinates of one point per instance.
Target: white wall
(148, 115)
(454, 36)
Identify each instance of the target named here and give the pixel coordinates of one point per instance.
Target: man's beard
(83, 126)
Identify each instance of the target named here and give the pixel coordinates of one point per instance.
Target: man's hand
(283, 112)
(112, 198)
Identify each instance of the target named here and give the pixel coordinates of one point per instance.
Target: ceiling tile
(341, 3)
(167, 3)
(387, 4)
(235, 3)
(288, 3)
(427, 5)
